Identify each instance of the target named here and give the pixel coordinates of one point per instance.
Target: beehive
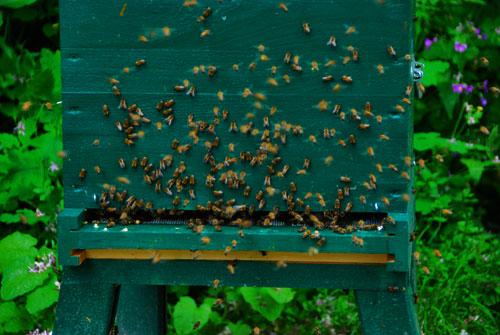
(248, 115)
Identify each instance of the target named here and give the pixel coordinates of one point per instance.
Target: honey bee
(191, 92)
(331, 42)
(379, 118)
(105, 110)
(252, 66)
(348, 207)
(328, 160)
(97, 169)
(379, 167)
(406, 101)
(260, 96)
(211, 70)
(346, 79)
(384, 137)
(370, 151)
(408, 90)
(296, 68)
(363, 199)
(116, 91)
(205, 240)
(123, 180)
(342, 143)
(346, 60)
(350, 30)
(405, 175)
(205, 33)
(312, 138)
(345, 179)
(352, 139)
(393, 168)
(287, 78)
(385, 201)
(140, 62)
(391, 50)
(272, 81)
(355, 55)
(262, 203)
(400, 108)
(283, 6)
(82, 174)
(484, 130)
(301, 172)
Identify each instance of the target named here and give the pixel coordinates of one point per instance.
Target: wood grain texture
(97, 44)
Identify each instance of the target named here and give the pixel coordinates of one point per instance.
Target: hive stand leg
(387, 313)
(85, 309)
(141, 310)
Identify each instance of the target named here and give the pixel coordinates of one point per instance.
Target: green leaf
(262, 302)
(13, 319)
(16, 3)
(15, 246)
(42, 298)
(17, 280)
(1, 19)
(281, 295)
(42, 84)
(51, 61)
(426, 141)
(7, 141)
(448, 98)
(435, 72)
(424, 205)
(475, 167)
(239, 329)
(186, 315)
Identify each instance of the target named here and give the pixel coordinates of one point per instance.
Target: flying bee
(391, 50)
(205, 33)
(406, 101)
(306, 28)
(332, 41)
(350, 30)
(385, 201)
(140, 62)
(370, 151)
(405, 175)
(346, 60)
(400, 108)
(384, 137)
(347, 79)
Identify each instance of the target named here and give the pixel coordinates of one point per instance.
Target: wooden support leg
(85, 309)
(387, 313)
(141, 310)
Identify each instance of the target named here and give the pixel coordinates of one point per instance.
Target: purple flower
(53, 167)
(484, 102)
(485, 86)
(459, 47)
(428, 43)
(459, 88)
(20, 128)
(478, 31)
(484, 36)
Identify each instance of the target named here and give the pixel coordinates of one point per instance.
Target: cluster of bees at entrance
(170, 177)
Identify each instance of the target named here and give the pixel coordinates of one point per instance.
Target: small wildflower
(58, 284)
(484, 102)
(459, 47)
(20, 128)
(470, 120)
(428, 42)
(51, 227)
(460, 27)
(496, 160)
(497, 30)
(37, 332)
(53, 167)
(39, 213)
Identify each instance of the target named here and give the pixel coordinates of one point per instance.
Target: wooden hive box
(186, 123)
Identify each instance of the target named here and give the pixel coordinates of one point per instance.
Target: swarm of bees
(234, 171)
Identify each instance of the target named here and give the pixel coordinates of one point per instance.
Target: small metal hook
(418, 71)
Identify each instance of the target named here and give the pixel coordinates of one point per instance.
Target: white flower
(496, 160)
(39, 213)
(53, 167)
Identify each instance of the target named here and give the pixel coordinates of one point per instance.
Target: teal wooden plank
(387, 313)
(85, 308)
(90, 58)
(256, 239)
(203, 273)
(141, 310)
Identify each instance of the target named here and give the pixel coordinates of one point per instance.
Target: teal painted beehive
(243, 136)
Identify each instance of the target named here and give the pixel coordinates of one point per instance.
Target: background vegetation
(458, 190)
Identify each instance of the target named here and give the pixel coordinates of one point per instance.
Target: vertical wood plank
(85, 309)
(141, 310)
(387, 313)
